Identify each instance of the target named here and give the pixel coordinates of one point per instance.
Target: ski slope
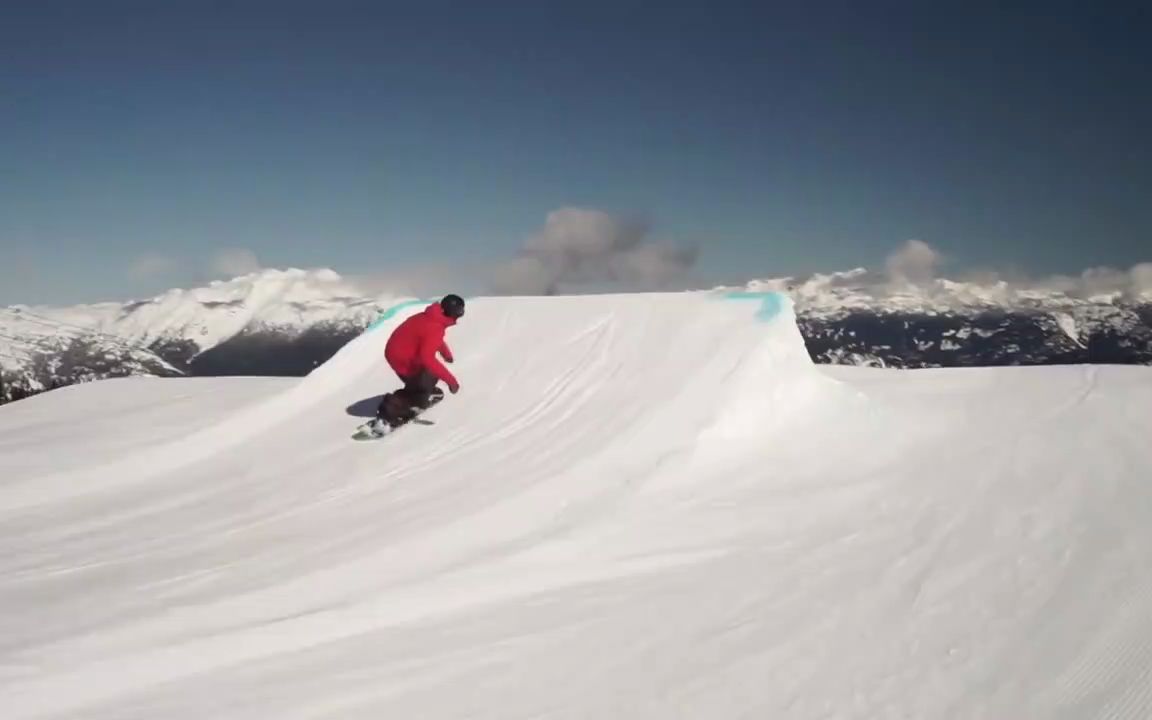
(638, 506)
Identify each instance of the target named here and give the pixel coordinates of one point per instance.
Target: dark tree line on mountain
(177, 352)
(257, 352)
(273, 353)
(984, 339)
(75, 360)
(16, 386)
(12, 388)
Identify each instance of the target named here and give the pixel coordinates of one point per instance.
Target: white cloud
(587, 246)
(417, 280)
(526, 275)
(151, 266)
(652, 265)
(916, 267)
(1132, 283)
(234, 262)
(577, 233)
(1140, 278)
(915, 263)
(918, 263)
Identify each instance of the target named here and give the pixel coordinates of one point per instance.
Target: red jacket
(416, 341)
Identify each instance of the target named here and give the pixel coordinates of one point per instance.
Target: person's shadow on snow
(365, 408)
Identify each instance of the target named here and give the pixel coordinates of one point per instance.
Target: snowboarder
(411, 352)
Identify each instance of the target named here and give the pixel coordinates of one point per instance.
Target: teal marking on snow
(771, 303)
(391, 312)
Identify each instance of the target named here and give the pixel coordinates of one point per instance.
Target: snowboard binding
(394, 412)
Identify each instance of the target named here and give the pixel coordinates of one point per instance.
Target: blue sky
(139, 141)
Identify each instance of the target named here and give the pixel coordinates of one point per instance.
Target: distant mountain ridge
(277, 322)
(286, 322)
(856, 317)
(860, 288)
(210, 315)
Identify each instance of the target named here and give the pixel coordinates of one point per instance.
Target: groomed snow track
(638, 506)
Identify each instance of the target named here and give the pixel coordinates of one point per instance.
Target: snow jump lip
(771, 303)
(393, 311)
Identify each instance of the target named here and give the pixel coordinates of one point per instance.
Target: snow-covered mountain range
(286, 322)
(859, 317)
(278, 322)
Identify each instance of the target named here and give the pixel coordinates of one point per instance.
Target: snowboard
(368, 430)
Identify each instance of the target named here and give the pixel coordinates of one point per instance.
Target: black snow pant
(419, 393)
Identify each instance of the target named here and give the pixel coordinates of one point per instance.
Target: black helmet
(453, 306)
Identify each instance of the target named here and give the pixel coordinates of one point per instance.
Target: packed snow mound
(641, 506)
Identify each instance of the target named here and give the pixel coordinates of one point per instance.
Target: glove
(454, 387)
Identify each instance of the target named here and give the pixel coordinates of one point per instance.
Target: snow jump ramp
(638, 506)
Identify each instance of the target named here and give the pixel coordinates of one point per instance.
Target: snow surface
(638, 506)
